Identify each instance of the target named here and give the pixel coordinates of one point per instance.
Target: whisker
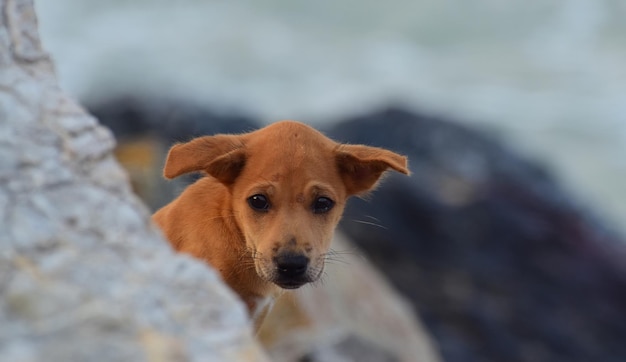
(337, 257)
(353, 251)
(244, 266)
(335, 261)
(372, 217)
(370, 223)
(322, 279)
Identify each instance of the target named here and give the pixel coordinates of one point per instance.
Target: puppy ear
(221, 156)
(362, 166)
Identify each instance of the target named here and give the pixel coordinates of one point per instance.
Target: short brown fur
(295, 168)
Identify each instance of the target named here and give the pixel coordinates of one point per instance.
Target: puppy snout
(291, 266)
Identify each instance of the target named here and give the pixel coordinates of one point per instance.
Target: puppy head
(288, 185)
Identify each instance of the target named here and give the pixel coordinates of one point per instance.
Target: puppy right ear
(221, 156)
(361, 167)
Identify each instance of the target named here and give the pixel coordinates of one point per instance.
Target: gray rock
(84, 276)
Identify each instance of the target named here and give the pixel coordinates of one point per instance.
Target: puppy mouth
(286, 281)
(290, 283)
(289, 270)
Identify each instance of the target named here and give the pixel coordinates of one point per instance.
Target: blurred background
(513, 115)
(549, 76)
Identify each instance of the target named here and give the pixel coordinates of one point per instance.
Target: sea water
(547, 76)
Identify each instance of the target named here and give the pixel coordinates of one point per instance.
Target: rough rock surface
(502, 263)
(83, 274)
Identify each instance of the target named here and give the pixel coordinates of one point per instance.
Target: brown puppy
(265, 215)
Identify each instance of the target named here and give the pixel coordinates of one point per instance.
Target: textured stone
(84, 276)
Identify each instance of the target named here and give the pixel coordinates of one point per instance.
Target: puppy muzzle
(291, 270)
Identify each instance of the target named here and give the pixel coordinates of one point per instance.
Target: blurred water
(549, 76)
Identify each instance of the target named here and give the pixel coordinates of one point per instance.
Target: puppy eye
(323, 205)
(259, 202)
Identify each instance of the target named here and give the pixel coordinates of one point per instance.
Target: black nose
(291, 265)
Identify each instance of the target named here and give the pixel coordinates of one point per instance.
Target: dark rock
(171, 121)
(501, 263)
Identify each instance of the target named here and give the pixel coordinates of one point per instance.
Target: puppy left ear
(221, 156)
(362, 166)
